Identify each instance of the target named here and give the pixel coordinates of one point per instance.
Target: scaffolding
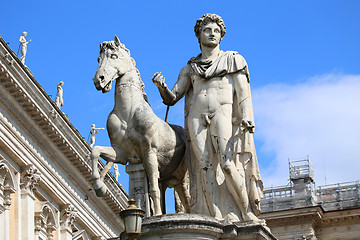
(301, 169)
(301, 191)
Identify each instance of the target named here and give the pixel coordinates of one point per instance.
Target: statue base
(194, 226)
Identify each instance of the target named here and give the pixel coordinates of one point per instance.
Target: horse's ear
(100, 46)
(117, 41)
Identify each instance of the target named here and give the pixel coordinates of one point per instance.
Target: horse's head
(114, 61)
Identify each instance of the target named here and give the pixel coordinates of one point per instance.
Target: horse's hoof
(99, 187)
(100, 192)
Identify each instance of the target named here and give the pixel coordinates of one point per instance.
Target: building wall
(45, 173)
(302, 211)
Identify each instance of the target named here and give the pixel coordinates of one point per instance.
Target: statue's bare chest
(211, 93)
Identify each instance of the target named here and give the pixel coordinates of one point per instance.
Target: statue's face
(210, 35)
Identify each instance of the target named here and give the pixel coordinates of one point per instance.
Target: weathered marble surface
(136, 133)
(194, 226)
(224, 176)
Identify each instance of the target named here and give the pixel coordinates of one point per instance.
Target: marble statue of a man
(93, 132)
(224, 176)
(59, 101)
(116, 171)
(24, 44)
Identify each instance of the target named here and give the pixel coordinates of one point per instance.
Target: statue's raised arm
(179, 89)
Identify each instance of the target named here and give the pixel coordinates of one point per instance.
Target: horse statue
(136, 132)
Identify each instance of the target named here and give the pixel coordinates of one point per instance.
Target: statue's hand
(248, 124)
(159, 80)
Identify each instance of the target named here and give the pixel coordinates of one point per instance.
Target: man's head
(206, 19)
(24, 34)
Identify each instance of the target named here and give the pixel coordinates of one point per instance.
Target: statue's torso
(209, 95)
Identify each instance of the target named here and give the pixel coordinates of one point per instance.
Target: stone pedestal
(138, 186)
(193, 226)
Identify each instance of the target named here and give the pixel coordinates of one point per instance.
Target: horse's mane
(115, 46)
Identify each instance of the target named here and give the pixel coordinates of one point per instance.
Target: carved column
(138, 186)
(67, 219)
(29, 180)
(7, 203)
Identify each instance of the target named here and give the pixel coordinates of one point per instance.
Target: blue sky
(303, 57)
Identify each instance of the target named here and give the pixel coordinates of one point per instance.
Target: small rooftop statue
(23, 43)
(93, 131)
(116, 171)
(59, 101)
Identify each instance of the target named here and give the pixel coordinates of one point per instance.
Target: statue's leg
(201, 146)
(109, 154)
(106, 169)
(23, 53)
(152, 171)
(221, 135)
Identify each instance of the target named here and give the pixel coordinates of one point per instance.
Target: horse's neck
(130, 77)
(128, 92)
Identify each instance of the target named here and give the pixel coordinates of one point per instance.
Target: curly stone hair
(207, 18)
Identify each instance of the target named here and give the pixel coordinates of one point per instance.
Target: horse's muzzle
(97, 83)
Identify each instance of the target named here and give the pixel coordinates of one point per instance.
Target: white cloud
(319, 117)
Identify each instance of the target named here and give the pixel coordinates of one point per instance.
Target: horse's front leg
(107, 167)
(152, 171)
(110, 155)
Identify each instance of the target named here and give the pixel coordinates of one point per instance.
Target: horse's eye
(114, 56)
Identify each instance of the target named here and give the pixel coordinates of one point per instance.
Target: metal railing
(301, 169)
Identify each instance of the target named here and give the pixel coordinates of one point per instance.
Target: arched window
(45, 221)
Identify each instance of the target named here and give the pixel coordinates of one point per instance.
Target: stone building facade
(45, 185)
(301, 210)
